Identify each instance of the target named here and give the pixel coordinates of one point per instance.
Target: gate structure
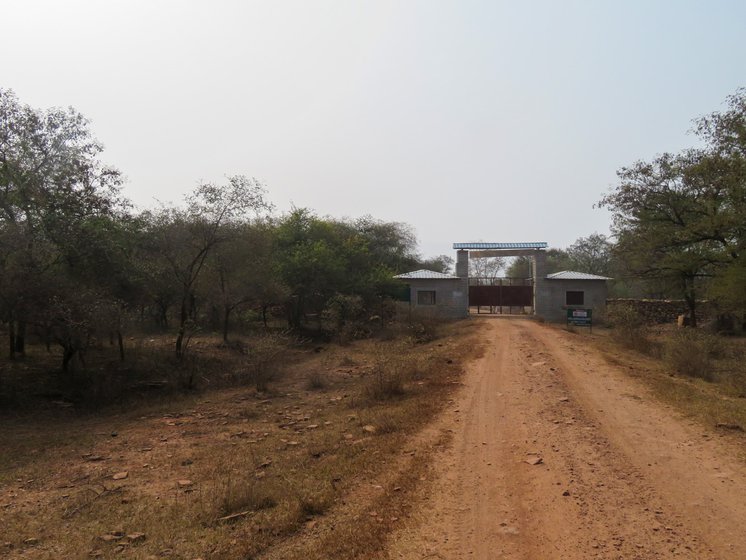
(498, 294)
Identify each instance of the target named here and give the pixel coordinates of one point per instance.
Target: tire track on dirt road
(557, 454)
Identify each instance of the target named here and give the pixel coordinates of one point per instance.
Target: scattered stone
(233, 517)
(369, 428)
(186, 462)
(293, 443)
(534, 460)
(120, 475)
(31, 541)
(729, 426)
(109, 537)
(136, 537)
(91, 457)
(564, 399)
(183, 483)
(566, 493)
(312, 426)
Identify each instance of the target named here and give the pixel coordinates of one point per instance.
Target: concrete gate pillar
(462, 271)
(462, 263)
(541, 290)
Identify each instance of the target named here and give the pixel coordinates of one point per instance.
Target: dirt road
(557, 454)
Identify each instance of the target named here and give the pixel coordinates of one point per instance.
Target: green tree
(440, 263)
(679, 219)
(242, 272)
(52, 184)
(591, 254)
(319, 258)
(556, 261)
(184, 238)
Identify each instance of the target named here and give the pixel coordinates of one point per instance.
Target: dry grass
(691, 352)
(628, 329)
(701, 375)
(295, 467)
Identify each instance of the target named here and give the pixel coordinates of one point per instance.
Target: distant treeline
(77, 262)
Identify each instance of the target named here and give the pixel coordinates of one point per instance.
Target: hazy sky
(469, 120)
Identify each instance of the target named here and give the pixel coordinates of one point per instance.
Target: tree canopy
(679, 219)
(76, 262)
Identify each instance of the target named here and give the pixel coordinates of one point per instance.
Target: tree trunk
(294, 313)
(192, 307)
(264, 315)
(226, 318)
(120, 340)
(183, 316)
(162, 318)
(11, 339)
(691, 303)
(21, 338)
(67, 354)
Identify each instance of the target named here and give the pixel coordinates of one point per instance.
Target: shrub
(263, 361)
(425, 326)
(690, 352)
(246, 494)
(629, 329)
(316, 380)
(387, 379)
(315, 498)
(342, 318)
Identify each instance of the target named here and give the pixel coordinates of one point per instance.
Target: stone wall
(659, 311)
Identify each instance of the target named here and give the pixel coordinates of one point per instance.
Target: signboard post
(580, 318)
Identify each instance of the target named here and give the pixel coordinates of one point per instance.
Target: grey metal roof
(572, 275)
(426, 274)
(524, 245)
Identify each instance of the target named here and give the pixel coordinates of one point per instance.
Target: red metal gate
(501, 295)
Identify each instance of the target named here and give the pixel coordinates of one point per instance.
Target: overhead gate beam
(486, 253)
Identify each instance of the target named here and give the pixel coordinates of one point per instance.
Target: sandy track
(620, 476)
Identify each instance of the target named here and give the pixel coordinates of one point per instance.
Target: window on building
(426, 297)
(574, 298)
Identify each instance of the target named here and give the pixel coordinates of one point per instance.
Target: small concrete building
(568, 290)
(438, 293)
